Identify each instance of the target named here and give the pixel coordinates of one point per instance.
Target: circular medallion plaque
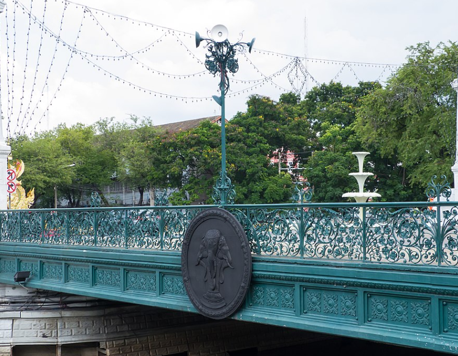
(216, 263)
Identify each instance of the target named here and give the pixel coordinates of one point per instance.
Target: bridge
(378, 271)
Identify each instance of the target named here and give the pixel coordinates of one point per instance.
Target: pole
(223, 135)
(55, 197)
(454, 85)
(4, 152)
(222, 59)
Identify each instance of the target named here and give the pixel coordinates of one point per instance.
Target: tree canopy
(411, 121)
(408, 126)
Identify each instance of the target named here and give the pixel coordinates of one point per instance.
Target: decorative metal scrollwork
(449, 237)
(303, 192)
(438, 190)
(401, 236)
(224, 190)
(221, 60)
(95, 200)
(161, 197)
(385, 233)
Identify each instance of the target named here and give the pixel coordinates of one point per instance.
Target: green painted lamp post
(4, 152)
(221, 60)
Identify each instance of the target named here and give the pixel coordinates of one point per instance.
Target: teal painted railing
(418, 233)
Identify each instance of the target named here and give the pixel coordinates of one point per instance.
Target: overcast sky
(80, 88)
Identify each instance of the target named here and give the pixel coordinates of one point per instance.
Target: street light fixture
(221, 60)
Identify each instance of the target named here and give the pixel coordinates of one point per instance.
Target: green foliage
(412, 119)
(94, 163)
(196, 153)
(251, 138)
(331, 109)
(254, 136)
(408, 127)
(135, 155)
(45, 165)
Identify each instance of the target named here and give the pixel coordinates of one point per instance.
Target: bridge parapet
(378, 271)
(416, 233)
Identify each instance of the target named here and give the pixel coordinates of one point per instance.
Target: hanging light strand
(125, 55)
(46, 112)
(141, 88)
(254, 81)
(74, 50)
(51, 65)
(296, 70)
(262, 74)
(10, 53)
(132, 21)
(26, 112)
(24, 77)
(128, 55)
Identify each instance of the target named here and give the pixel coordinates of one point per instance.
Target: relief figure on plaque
(215, 257)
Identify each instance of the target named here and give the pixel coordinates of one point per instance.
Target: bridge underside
(399, 304)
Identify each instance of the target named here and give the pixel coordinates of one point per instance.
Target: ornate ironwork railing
(421, 233)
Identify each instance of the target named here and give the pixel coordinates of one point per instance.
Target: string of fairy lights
(45, 40)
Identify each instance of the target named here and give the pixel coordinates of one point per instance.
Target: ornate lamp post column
(4, 152)
(221, 60)
(454, 85)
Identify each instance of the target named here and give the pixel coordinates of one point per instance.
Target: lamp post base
(223, 191)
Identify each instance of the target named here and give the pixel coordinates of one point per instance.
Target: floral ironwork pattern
(141, 281)
(438, 190)
(78, 274)
(422, 233)
(303, 192)
(224, 190)
(448, 237)
(404, 235)
(303, 232)
(173, 285)
(421, 313)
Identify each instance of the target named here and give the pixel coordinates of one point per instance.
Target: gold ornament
(19, 199)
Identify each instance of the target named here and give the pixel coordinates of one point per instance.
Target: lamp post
(219, 61)
(454, 85)
(4, 152)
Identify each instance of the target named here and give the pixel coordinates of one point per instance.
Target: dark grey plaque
(216, 263)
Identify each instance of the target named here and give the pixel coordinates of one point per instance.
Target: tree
(136, 155)
(197, 154)
(331, 109)
(412, 120)
(247, 155)
(45, 166)
(94, 163)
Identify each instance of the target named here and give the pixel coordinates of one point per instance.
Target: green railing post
(1, 226)
(161, 228)
(253, 234)
(438, 234)
(43, 227)
(364, 242)
(258, 242)
(20, 227)
(302, 231)
(96, 225)
(67, 228)
(126, 228)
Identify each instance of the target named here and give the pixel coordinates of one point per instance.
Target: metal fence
(418, 233)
